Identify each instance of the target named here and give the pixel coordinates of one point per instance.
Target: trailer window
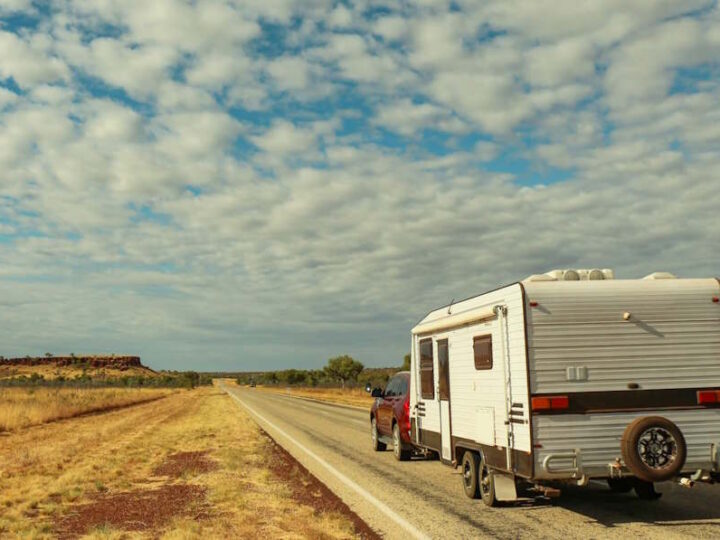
(482, 347)
(443, 370)
(427, 376)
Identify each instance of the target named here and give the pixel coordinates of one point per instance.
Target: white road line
(385, 509)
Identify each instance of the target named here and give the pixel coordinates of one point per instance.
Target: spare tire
(653, 448)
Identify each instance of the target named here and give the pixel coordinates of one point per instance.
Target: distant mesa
(120, 363)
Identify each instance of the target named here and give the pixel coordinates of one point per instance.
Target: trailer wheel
(653, 448)
(376, 444)
(620, 485)
(487, 484)
(470, 469)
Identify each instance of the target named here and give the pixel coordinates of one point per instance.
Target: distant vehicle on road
(570, 376)
(390, 416)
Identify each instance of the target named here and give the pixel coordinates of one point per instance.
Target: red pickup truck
(390, 416)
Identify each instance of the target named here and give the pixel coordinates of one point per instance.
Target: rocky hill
(94, 366)
(111, 362)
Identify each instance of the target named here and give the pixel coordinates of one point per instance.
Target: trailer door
(444, 397)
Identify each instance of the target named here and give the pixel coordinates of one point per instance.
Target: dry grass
(49, 471)
(22, 407)
(348, 396)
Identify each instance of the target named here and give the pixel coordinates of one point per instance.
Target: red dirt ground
(183, 463)
(308, 490)
(138, 510)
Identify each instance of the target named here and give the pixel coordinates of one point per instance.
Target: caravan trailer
(570, 376)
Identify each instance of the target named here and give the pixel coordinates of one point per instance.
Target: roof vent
(581, 274)
(660, 275)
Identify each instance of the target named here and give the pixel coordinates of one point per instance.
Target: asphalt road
(424, 498)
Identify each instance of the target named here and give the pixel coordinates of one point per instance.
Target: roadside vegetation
(23, 407)
(341, 381)
(65, 378)
(192, 465)
(340, 372)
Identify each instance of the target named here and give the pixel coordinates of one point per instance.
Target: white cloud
(285, 138)
(405, 117)
(560, 63)
(290, 73)
(30, 61)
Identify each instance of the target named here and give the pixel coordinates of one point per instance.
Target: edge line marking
(385, 509)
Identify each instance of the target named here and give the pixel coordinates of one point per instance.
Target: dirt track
(429, 496)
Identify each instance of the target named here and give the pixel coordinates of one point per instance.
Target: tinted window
(427, 376)
(402, 387)
(443, 370)
(482, 347)
(396, 387)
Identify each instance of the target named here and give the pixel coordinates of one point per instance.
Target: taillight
(406, 414)
(705, 397)
(550, 403)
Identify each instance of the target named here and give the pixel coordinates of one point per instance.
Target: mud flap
(505, 489)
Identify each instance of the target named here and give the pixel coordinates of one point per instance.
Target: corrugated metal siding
(672, 340)
(473, 392)
(598, 436)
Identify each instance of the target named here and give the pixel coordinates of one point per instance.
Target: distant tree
(48, 355)
(406, 363)
(343, 368)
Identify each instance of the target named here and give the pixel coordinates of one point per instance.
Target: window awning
(452, 321)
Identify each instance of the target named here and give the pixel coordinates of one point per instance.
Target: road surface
(424, 499)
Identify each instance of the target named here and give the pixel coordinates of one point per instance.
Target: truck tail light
(705, 397)
(550, 403)
(406, 414)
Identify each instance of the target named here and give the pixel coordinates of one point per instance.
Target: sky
(244, 185)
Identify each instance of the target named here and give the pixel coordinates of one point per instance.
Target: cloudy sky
(217, 184)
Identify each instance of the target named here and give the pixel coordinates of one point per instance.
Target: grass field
(192, 465)
(347, 396)
(22, 407)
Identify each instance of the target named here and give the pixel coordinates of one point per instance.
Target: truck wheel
(377, 445)
(487, 485)
(653, 448)
(470, 469)
(620, 485)
(398, 451)
(646, 491)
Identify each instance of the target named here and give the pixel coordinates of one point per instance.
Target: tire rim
(657, 448)
(396, 440)
(467, 474)
(373, 430)
(484, 481)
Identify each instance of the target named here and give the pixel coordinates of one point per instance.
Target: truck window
(427, 376)
(482, 347)
(391, 389)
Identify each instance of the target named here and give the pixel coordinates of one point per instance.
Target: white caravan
(570, 376)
